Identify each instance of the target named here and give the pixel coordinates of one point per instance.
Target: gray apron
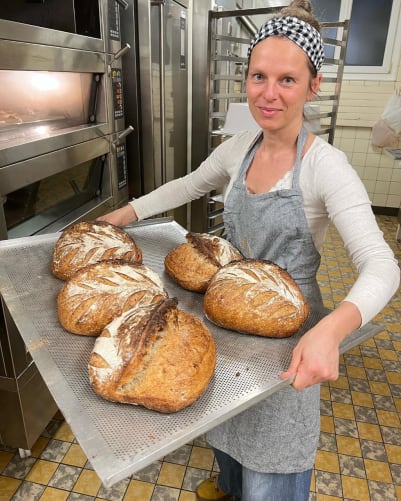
(281, 433)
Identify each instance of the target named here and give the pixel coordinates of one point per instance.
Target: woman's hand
(120, 217)
(315, 359)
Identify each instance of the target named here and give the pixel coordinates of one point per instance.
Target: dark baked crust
(255, 297)
(156, 356)
(88, 242)
(192, 264)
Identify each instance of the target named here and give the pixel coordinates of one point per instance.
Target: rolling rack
(230, 33)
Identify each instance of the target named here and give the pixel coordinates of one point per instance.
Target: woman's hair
(302, 9)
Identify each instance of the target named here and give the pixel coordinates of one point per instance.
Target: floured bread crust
(99, 292)
(255, 297)
(156, 356)
(192, 264)
(89, 242)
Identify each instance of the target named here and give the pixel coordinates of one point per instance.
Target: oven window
(32, 208)
(39, 104)
(72, 16)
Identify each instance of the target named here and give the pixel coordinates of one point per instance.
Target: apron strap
(298, 160)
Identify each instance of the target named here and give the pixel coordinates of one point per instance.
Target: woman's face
(279, 83)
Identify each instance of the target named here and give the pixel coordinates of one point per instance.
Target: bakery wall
(361, 104)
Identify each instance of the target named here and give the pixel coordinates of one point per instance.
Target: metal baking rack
(120, 439)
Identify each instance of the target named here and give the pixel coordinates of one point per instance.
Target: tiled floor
(359, 456)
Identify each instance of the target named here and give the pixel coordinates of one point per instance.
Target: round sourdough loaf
(193, 263)
(156, 356)
(255, 297)
(99, 292)
(89, 242)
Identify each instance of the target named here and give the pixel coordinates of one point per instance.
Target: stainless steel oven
(61, 114)
(62, 154)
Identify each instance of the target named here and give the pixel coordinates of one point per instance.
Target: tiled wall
(380, 174)
(361, 105)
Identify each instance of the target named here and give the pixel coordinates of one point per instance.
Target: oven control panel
(121, 158)
(114, 20)
(117, 84)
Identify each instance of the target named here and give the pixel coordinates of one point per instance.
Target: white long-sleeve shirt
(332, 191)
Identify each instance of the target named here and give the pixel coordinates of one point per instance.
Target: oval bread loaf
(97, 293)
(255, 297)
(156, 356)
(193, 263)
(89, 242)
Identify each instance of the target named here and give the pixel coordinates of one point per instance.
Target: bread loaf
(156, 356)
(193, 263)
(87, 242)
(99, 292)
(255, 297)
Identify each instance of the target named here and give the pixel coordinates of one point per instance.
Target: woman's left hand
(315, 358)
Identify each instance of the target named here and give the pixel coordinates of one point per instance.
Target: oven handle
(117, 55)
(121, 136)
(123, 4)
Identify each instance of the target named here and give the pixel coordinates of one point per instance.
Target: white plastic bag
(386, 131)
(392, 112)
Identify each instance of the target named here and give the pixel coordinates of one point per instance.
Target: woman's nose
(270, 91)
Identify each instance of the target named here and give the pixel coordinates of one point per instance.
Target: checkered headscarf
(300, 32)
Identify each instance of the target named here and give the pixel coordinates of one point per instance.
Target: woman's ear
(316, 83)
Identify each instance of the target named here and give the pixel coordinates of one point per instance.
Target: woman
(284, 186)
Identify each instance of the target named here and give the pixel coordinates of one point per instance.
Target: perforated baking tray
(121, 439)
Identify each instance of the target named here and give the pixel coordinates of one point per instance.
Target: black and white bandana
(300, 32)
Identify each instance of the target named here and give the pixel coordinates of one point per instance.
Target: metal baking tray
(120, 439)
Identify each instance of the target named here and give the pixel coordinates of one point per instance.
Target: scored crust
(156, 356)
(97, 293)
(88, 242)
(193, 263)
(255, 297)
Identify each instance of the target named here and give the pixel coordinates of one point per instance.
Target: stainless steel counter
(120, 439)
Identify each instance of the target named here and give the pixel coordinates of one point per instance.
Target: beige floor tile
(348, 446)
(5, 458)
(75, 456)
(327, 424)
(327, 461)
(369, 431)
(187, 496)
(201, 457)
(387, 418)
(88, 483)
(171, 475)
(51, 494)
(393, 453)
(355, 489)
(8, 487)
(42, 471)
(343, 411)
(356, 372)
(378, 471)
(362, 399)
(139, 491)
(39, 446)
(64, 433)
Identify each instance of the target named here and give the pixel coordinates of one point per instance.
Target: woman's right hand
(120, 217)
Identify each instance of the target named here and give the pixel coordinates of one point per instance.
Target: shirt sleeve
(213, 174)
(339, 189)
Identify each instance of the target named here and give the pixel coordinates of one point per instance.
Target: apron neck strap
(298, 160)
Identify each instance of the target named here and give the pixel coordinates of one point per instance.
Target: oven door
(50, 98)
(47, 193)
